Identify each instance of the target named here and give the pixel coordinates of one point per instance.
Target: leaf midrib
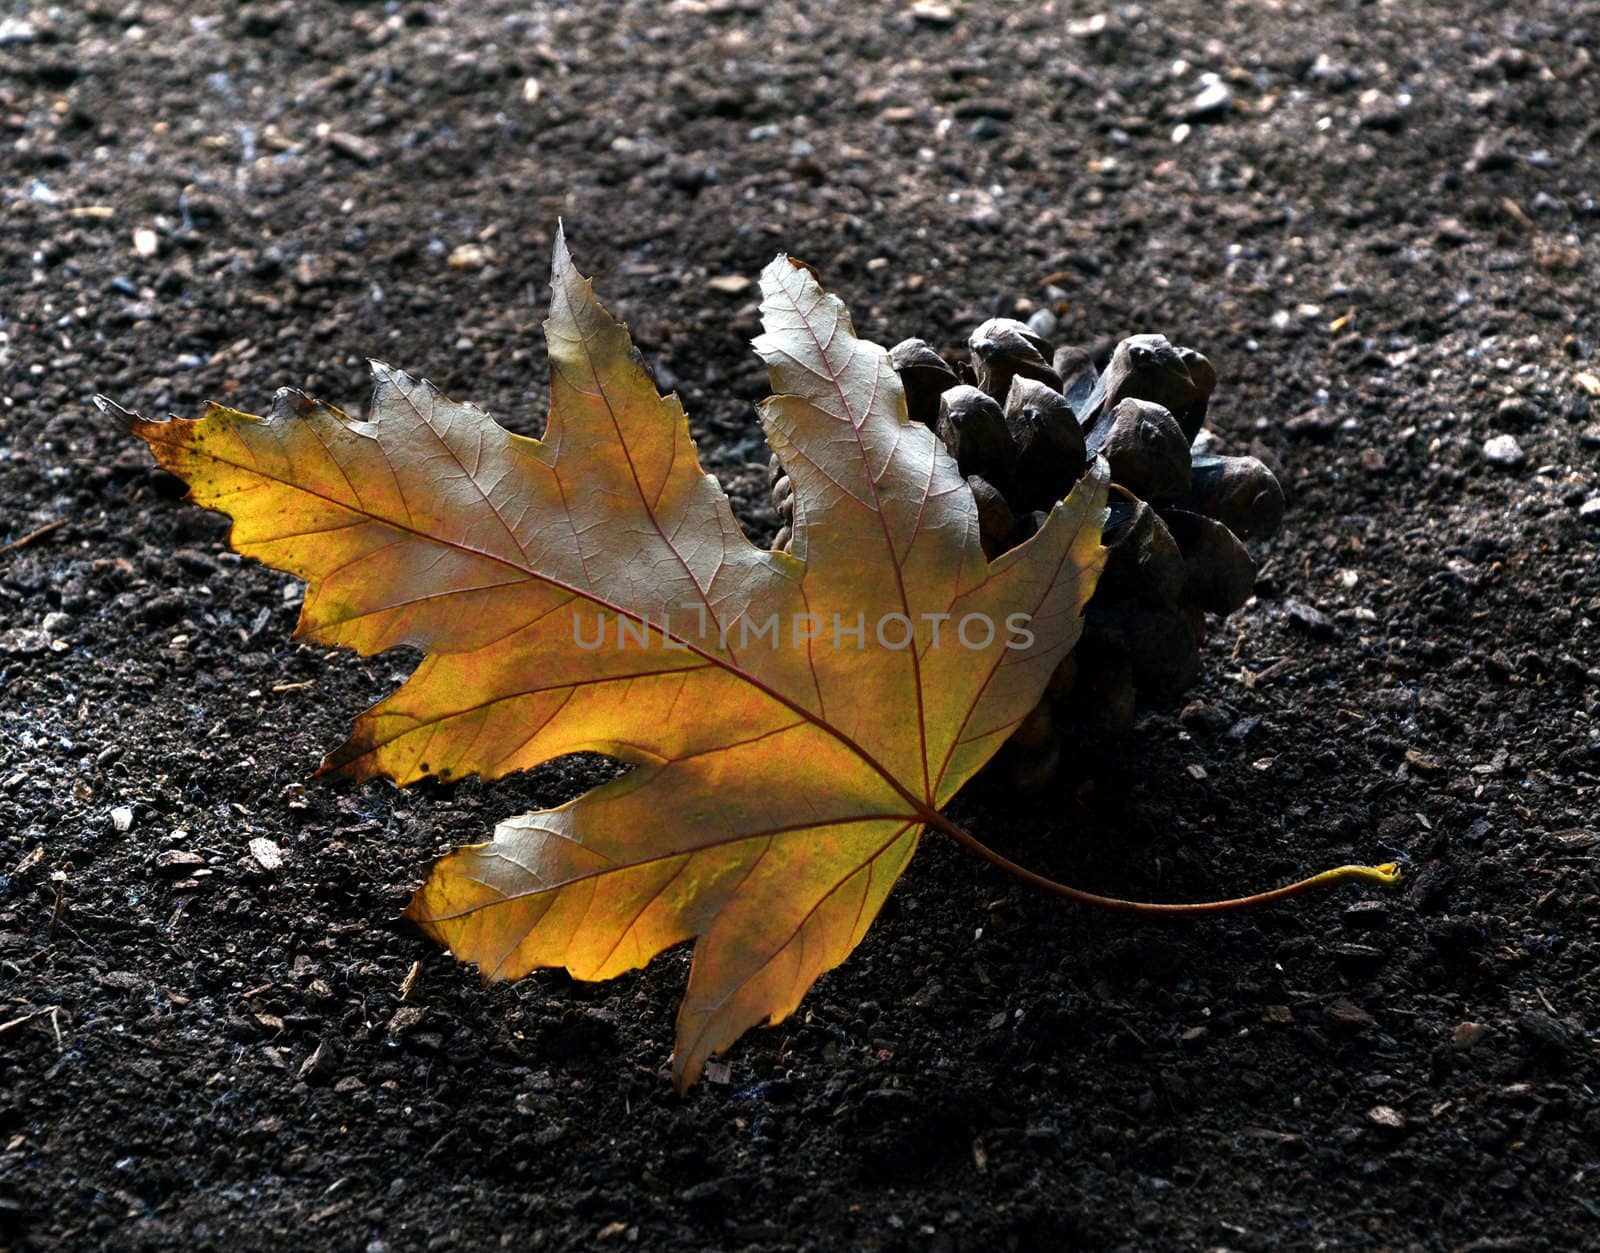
(877, 503)
(618, 867)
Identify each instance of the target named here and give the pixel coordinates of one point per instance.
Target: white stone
(1503, 450)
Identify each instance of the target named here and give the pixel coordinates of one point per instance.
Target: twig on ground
(29, 538)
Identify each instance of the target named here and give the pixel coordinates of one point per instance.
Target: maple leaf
(792, 720)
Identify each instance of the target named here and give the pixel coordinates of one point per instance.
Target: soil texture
(1379, 221)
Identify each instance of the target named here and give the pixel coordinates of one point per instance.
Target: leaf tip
(352, 760)
(560, 254)
(416, 910)
(125, 420)
(781, 267)
(686, 1069)
(798, 264)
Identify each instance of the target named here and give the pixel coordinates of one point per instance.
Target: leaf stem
(1386, 875)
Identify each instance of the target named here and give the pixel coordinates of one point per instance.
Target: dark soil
(1386, 240)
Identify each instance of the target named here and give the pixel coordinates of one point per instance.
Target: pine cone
(1023, 436)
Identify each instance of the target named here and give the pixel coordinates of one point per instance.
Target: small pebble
(1418, 760)
(1367, 916)
(1312, 424)
(146, 242)
(1382, 114)
(1516, 413)
(355, 147)
(1467, 1035)
(17, 31)
(935, 14)
(266, 853)
(1312, 621)
(1589, 511)
(1211, 719)
(24, 642)
(1359, 961)
(1346, 1018)
(468, 257)
(1386, 1117)
(1555, 1037)
(177, 863)
(1503, 450)
(985, 106)
(1042, 323)
(1243, 729)
(406, 1020)
(985, 217)
(1213, 102)
(729, 284)
(122, 818)
(319, 1067)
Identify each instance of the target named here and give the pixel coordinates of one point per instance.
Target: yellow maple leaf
(792, 720)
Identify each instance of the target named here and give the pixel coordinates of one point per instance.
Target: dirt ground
(1380, 222)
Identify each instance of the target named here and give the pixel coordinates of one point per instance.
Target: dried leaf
(791, 720)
